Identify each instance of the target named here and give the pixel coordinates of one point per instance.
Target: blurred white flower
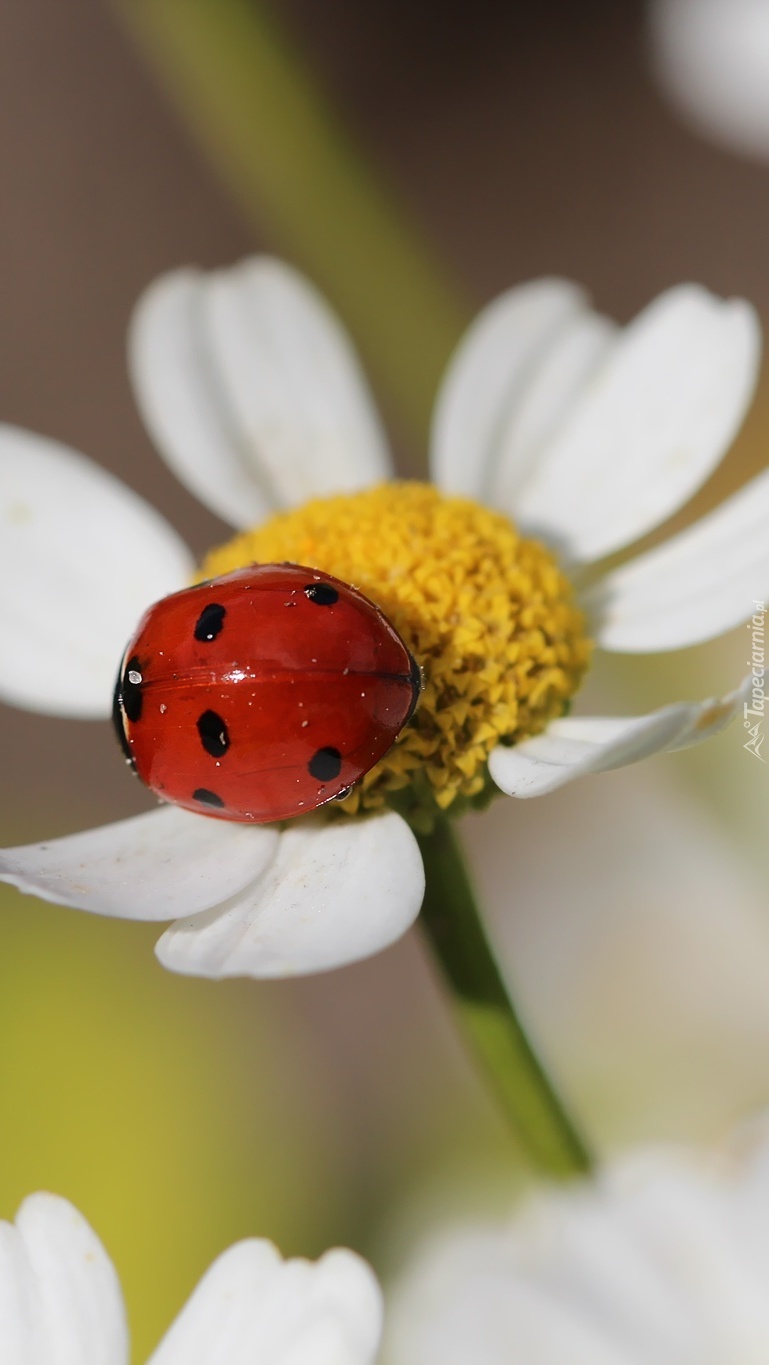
(712, 58)
(587, 435)
(61, 1304)
(636, 941)
(660, 1260)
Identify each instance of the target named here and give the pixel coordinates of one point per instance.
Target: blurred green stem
(452, 923)
(261, 117)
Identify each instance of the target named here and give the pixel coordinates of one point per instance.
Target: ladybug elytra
(263, 694)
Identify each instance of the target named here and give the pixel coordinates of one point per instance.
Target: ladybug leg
(417, 681)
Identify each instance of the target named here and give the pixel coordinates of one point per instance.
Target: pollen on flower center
(489, 616)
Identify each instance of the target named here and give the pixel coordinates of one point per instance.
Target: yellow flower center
(488, 615)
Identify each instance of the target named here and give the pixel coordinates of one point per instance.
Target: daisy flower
(60, 1301)
(558, 439)
(660, 1260)
(712, 59)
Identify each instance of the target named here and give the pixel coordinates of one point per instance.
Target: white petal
(177, 391)
(333, 894)
(713, 58)
(684, 1219)
(252, 390)
(81, 558)
(650, 427)
(557, 382)
(577, 745)
(252, 1306)
(694, 586)
(644, 1265)
(158, 866)
(60, 1300)
(487, 376)
(471, 1297)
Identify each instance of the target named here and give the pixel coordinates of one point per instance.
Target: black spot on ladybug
(325, 764)
(213, 734)
(207, 798)
(322, 594)
(131, 689)
(119, 724)
(210, 621)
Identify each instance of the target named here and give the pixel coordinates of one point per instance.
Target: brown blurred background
(526, 139)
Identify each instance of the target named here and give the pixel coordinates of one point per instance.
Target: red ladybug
(263, 694)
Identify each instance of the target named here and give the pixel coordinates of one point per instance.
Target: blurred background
(631, 911)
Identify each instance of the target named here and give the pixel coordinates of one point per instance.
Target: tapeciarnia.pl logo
(753, 710)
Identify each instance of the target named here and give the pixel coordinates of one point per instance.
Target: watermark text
(754, 709)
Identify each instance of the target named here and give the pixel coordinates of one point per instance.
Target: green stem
(262, 119)
(452, 923)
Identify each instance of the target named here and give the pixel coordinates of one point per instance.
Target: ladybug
(262, 694)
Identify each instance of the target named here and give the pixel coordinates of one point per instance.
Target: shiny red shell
(263, 694)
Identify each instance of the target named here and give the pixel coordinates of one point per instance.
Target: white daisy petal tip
(60, 1298)
(346, 1280)
(296, 383)
(251, 1304)
(81, 558)
(252, 389)
(693, 587)
(561, 374)
(176, 390)
(334, 893)
(487, 374)
(578, 745)
(668, 393)
(150, 867)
